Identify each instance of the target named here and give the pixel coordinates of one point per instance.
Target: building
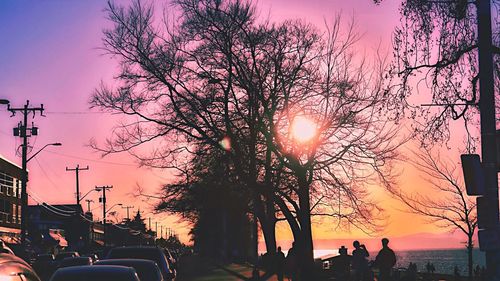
(10, 201)
(58, 225)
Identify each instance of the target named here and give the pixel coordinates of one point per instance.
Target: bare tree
(436, 53)
(220, 78)
(446, 204)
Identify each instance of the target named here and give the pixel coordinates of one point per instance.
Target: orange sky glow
(52, 57)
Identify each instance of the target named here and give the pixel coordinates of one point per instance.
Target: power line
(46, 175)
(91, 160)
(73, 112)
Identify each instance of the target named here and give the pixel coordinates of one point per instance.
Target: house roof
(10, 168)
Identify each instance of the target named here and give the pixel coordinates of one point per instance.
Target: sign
(487, 212)
(489, 239)
(473, 174)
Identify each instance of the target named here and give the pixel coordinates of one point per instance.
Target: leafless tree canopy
(436, 51)
(446, 204)
(219, 77)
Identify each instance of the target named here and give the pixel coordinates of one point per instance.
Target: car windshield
(137, 253)
(147, 271)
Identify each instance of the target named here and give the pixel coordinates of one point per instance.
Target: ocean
(444, 260)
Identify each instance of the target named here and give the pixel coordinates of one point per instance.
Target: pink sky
(50, 55)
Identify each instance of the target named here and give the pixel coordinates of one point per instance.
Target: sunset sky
(50, 54)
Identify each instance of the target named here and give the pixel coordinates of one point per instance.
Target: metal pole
(77, 170)
(103, 189)
(104, 214)
(88, 204)
(488, 220)
(24, 192)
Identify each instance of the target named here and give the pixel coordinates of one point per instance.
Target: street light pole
(103, 189)
(88, 204)
(127, 207)
(77, 170)
(22, 131)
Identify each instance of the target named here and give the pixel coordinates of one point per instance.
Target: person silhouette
(279, 264)
(359, 261)
(341, 264)
(385, 260)
(292, 262)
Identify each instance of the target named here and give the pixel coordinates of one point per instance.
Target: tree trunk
(270, 232)
(267, 219)
(306, 243)
(470, 264)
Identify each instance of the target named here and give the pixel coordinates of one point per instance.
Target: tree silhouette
(220, 78)
(436, 51)
(447, 205)
(209, 197)
(137, 223)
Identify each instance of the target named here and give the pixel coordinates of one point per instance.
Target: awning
(59, 238)
(98, 242)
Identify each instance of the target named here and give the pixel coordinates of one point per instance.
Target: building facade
(10, 201)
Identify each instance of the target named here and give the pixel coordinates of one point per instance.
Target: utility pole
(161, 227)
(24, 132)
(103, 200)
(127, 207)
(156, 229)
(88, 204)
(149, 223)
(487, 205)
(77, 169)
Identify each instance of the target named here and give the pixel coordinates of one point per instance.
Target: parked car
(13, 268)
(63, 255)
(171, 258)
(94, 257)
(75, 261)
(145, 252)
(95, 273)
(147, 270)
(44, 265)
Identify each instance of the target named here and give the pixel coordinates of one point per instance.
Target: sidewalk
(197, 269)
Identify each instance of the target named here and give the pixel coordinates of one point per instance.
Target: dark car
(75, 261)
(94, 257)
(44, 265)
(63, 255)
(171, 258)
(147, 270)
(148, 253)
(95, 273)
(13, 268)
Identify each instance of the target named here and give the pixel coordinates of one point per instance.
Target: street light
(49, 144)
(87, 194)
(4, 101)
(119, 204)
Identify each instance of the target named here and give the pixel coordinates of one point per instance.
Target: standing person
(385, 260)
(280, 264)
(292, 262)
(359, 261)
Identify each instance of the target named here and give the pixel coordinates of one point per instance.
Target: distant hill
(419, 241)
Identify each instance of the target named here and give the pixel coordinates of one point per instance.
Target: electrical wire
(46, 175)
(38, 199)
(91, 160)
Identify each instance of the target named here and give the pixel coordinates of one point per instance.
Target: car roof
(10, 264)
(147, 270)
(95, 273)
(125, 261)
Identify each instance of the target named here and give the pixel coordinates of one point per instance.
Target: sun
(303, 129)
